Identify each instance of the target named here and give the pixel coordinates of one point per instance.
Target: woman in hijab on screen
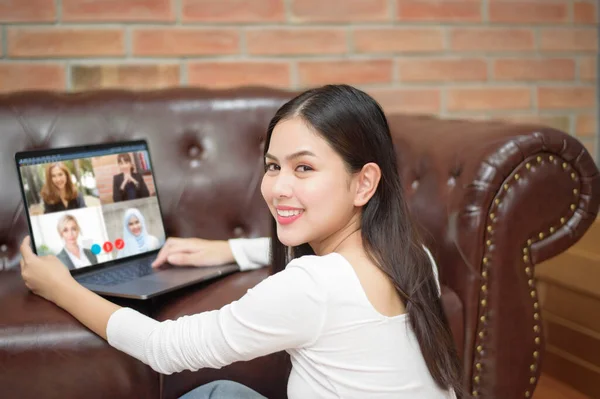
(135, 235)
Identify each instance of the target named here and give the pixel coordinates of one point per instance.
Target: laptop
(96, 207)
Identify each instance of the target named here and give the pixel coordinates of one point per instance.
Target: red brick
(296, 41)
(529, 12)
(64, 42)
(586, 125)
(312, 73)
(569, 39)
(442, 70)
(566, 97)
(532, 69)
(491, 39)
(588, 68)
(23, 76)
(485, 99)
(438, 11)
(27, 10)
(117, 10)
(340, 10)
(585, 12)
(401, 40)
(417, 101)
(232, 11)
(233, 74)
(87, 77)
(185, 41)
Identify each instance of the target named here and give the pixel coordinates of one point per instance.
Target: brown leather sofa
(492, 200)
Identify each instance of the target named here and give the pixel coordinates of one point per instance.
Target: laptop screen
(92, 205)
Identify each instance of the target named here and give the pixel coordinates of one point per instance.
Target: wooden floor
(550, 388)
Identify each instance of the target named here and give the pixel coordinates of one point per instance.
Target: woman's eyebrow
(292, 156)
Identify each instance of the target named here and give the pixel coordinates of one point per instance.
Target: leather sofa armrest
(520, 194)
(46, 353)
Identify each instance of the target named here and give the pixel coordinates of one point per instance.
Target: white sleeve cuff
(250, 253)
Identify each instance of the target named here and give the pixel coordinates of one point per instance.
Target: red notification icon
(107, 246)
(119, 244)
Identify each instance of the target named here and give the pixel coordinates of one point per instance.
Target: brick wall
(522, 60)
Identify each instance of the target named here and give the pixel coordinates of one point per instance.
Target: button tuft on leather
(3, 248)
(239, 231)
(194, 151)
(415, 184)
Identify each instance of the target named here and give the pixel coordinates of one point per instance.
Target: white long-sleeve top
(317, 311)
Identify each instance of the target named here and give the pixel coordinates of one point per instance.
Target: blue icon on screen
(96, 249)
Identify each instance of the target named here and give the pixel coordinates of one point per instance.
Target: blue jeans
(222, 389)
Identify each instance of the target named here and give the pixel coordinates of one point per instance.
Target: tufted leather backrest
(206, 148)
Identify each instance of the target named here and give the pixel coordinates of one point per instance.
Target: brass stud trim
(530, 282)
(528, 270)
(484, 274)
(536, 305)
(551, 158)
(536, 316)
(573, 175)
(525, 250)
(529, 242)
(506, 186)
(536, 354)
(539, 159)
(489, 229)
(483, 302)
(475, 393)
(532, 380)
(476, 379)
(552, 230)
(497, 201)
(541, 235)
(573, 207)
(525, 258)
(482, 318)
(532, 367)
(484, 288)
(528, 165)
(564, 165)
(479, 348)
(517, 176)
(488, 243)
(562, 220)
(492, 216)
(537, 341)
(536, 328)
(533, 294)
(481, 334)
(527, 394)
(575, 191)
(478, 366)
(485, 260)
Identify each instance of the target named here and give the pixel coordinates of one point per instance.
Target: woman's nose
(282, 186)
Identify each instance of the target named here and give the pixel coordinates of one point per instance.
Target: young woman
(128, 185)
(73, 255)
(59, 193)
(356, 304)
(135, 234)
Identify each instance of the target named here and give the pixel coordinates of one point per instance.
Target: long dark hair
(355, 126)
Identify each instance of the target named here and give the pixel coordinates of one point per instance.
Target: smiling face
(134, 226)
(306, 186)
(59, 178)
(69, 232)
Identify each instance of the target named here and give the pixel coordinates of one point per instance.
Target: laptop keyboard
(119, 275)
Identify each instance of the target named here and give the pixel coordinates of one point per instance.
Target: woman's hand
(45, 276)
(194, 252)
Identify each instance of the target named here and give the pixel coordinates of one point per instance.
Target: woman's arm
(284, 311)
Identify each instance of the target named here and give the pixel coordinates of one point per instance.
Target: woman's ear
(367, 182)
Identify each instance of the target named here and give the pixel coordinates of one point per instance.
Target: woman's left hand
(45, 276)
